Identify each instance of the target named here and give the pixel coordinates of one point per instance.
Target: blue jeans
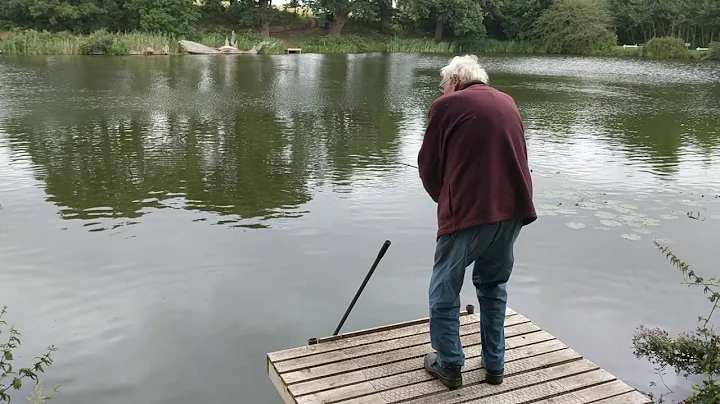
(490, 247)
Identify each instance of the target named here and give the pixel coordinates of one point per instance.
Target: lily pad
(605, 215)
(641, 231)
(633, 237)
(611, 223)
(671, 217)
(588, 205)
(575, 225)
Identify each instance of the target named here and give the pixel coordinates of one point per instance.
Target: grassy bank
(105, 43)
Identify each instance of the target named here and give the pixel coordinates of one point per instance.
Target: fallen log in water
(200, 49)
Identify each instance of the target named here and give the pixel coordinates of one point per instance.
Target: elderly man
(473, 164)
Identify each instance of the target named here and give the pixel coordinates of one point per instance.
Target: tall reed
(419, 45)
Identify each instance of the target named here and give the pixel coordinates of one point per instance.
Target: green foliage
(419, 45)
(101, 43)
(696, 22)
(666, 48)
(173, 17)
(11, 379)
(619, 51)
(339, 44)
(586, 27)
(714, 53)
(495, 46)
(580, 27)
(590, 27)
(691, 353)
(515, 20)
(76, 16)
(464, 17)
(41, 43)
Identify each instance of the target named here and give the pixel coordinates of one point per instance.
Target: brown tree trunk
(338, 22)
(263, 20)
(438, 30)
(385, 10)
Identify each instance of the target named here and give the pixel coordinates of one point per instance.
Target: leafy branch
(690, 353)
(7, 359)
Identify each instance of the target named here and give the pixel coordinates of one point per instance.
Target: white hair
(465, 68)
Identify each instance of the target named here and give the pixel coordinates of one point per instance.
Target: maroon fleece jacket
(473, 160)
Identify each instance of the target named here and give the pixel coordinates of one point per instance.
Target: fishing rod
(380, 255)
(416, 167)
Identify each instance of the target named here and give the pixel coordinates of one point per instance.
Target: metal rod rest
(382, 252)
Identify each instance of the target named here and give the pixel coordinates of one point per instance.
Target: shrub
(714, 53)
(690, 353)
(102, 43)
(666, 48)
(579, 27)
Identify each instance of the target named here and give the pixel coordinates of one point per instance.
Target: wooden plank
(384, 365)
(549, 389)
(589, 395)
(515, 359)
(374, 360)
(415, 363)
(279, 385)
(376, 330)
(525, 371)
(633, 397)
(368, 336)
(363, 337)
(382, 346)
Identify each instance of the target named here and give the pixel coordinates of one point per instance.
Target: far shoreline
(102, 43)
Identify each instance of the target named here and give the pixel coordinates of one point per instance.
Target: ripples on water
(307, 149)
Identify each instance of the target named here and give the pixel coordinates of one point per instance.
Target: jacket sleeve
(430, 157)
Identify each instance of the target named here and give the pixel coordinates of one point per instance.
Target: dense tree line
(561, 26)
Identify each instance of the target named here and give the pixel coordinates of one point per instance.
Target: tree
(464, 17)
(514, 19)
(577, 27)
(338, 11)
(175, 17)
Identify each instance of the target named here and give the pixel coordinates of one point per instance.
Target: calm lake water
(167, 221)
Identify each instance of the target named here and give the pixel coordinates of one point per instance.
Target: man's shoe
(492, 376)
(451, 376)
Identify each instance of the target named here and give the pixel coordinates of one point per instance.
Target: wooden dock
(385, 365)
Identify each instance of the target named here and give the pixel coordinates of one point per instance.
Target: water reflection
(251, 139)
(239, 137)
(174, 151)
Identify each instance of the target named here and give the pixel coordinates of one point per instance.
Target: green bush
(576, 27)
(101, 43)
(714, 53)
(666, 48)
(690, 353)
